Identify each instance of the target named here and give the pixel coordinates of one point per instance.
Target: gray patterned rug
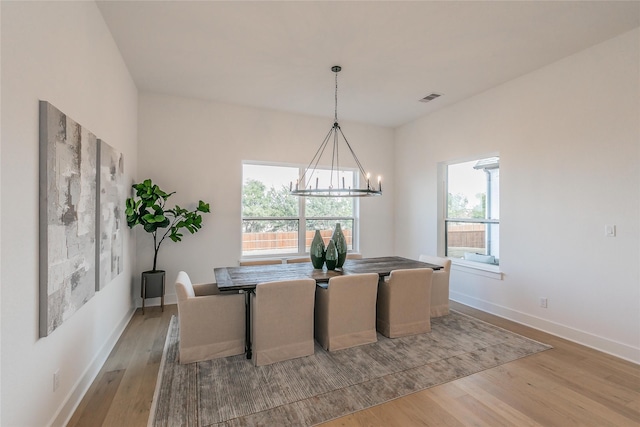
(311, 390)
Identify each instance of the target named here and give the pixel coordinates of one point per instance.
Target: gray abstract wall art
(68, 197)
(109, 254)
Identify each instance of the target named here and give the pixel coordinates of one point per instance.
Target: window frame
(444, 219)
(301, 218)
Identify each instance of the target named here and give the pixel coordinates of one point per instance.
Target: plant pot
(152, 286)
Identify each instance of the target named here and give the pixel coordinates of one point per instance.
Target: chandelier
(336, 186)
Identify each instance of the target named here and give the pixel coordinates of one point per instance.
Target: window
(275, 223)
(472, 220)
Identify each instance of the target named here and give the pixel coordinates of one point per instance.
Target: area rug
(310, 390)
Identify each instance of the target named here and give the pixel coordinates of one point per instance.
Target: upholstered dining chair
(345, 311)
(401, 302)
(212, 325)
(282, 320)
(440, 285)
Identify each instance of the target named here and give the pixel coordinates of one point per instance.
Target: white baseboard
(587, 339)
(73, 399)
(155, 302)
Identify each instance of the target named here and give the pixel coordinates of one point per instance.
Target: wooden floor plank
(129, 407)
(414, 410)
(575, 404)
(466, 408)
(592, 383)
(513, 416)
(568, 385)
(100, 401)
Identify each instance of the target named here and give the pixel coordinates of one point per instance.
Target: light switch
(610, 231)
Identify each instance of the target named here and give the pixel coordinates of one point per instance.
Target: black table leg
(247, 294)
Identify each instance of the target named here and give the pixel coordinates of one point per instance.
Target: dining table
(246, 278)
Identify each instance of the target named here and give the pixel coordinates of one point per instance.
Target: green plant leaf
(203, 207)
(150, 218)
(150, 227)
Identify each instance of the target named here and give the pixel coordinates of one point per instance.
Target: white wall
(61, 52)
(0, 222)
(196, 148)
(568, 137)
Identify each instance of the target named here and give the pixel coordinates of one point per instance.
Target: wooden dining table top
(247, 277)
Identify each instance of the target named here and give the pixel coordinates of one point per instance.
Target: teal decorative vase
(316, 251)
(331, 256)
(341, 245)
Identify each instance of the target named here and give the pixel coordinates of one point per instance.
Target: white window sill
(477, 268)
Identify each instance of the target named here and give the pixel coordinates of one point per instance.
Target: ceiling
(278, 55)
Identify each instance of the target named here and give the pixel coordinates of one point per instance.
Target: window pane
(473, 241)
(265, 191)
(326, 227)
(271, 218)
(323, 178)
(330, 206)
(470, 185)
(269, 237)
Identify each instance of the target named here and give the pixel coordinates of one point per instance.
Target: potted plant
(148, 209)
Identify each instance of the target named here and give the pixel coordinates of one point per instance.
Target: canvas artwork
(110, 214)
(68, 156)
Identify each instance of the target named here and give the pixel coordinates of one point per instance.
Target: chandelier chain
(336, 99)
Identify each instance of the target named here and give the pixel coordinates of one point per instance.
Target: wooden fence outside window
(285, 240)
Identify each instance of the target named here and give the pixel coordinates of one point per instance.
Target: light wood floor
(568, 385)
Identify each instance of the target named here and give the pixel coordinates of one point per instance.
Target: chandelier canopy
(336, 187)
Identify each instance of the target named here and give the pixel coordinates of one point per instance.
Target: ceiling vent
(431, 97)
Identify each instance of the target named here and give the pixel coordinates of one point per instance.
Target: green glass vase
(341, 245)
(331, 256)
(316, 251)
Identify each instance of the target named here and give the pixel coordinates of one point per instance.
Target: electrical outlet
(543, 302)
(610, 230)
(56, 380)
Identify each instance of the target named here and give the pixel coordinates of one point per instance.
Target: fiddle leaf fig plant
(148, 208)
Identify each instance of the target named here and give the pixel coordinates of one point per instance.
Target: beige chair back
(345, 313)
(440, 285)
(211, 325)
(401, 303)
(184, 287)
(282, 320)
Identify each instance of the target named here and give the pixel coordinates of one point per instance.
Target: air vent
(431, 97)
